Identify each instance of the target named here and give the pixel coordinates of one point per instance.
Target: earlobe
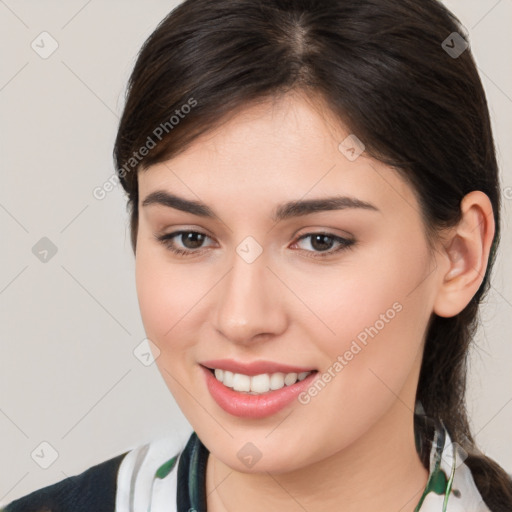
(465, 256)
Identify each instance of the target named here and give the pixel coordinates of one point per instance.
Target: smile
(255, 396)
(257, 384)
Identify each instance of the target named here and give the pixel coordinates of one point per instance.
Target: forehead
(273, 151)
(293, 122)
(269, 128)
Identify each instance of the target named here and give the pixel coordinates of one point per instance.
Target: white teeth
(257, 384)
(260, 383)
(290, 378)
(241, 382)
(228, 377)
(277, 381)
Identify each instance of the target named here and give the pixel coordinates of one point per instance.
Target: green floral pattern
(450, 486)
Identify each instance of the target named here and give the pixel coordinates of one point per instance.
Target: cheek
(372, 318)
(165, 294)
(348, 298)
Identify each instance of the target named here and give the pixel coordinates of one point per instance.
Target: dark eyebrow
(282, 212)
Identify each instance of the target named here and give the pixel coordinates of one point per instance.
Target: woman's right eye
(193, 238)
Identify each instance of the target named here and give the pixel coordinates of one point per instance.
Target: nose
(250, 305)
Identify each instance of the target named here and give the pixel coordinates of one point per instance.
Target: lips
(258, 406)
(254, 367)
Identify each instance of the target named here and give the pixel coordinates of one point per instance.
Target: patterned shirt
(165, 476)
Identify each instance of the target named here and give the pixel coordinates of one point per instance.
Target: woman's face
(252, 288)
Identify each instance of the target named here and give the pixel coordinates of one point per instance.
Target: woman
(314, 204)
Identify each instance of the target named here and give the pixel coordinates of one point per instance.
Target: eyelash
(167, 242)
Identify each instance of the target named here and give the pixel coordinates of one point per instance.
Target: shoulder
(94, 489)
(111, 485)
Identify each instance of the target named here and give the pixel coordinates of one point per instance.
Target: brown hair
(384, 71)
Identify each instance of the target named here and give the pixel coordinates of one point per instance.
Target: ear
(465, 254)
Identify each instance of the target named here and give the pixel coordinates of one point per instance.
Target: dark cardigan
(94, 490)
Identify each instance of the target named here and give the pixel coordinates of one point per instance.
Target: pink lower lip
(253, 406)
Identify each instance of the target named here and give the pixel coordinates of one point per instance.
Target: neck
(380, 471)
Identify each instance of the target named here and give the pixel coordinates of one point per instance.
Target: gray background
(69, 326)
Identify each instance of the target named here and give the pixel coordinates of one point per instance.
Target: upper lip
(254, 367)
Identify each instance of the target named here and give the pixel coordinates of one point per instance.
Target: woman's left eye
(321, 240)
(321, 243)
